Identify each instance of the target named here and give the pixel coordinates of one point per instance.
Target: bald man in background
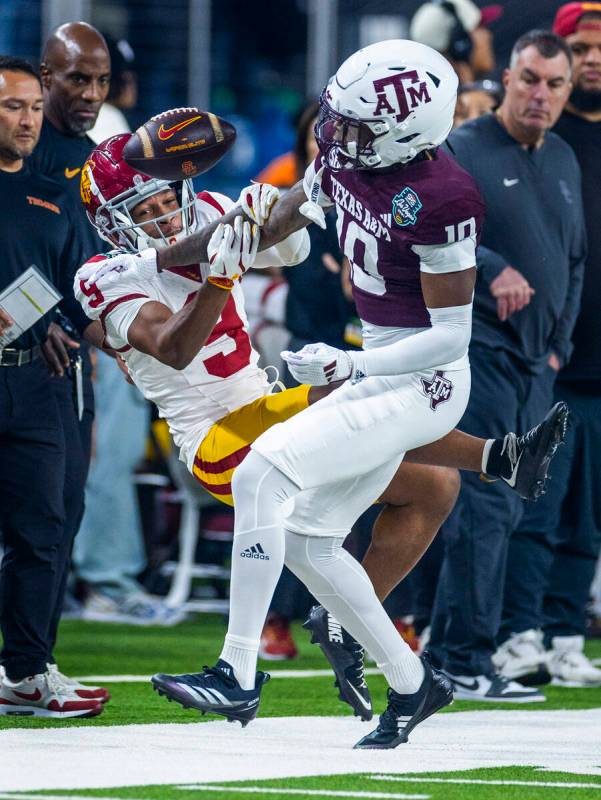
(75, 73)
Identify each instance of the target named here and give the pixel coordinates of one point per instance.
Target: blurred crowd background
(199, 52)
(260, 66)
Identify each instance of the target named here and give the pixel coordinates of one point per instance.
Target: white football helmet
(385, 104)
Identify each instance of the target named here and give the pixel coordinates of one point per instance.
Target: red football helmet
(110, 189)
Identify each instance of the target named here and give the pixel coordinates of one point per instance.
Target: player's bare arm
(448, 289)
(284, 220)
(175, 339)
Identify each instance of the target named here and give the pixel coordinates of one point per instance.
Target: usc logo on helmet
(85, 183)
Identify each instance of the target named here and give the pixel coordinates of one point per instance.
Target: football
(180, 143)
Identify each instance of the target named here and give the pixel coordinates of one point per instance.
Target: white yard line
(304, 792)
(483, 782)
(288, 747)
(21, 796)
(276, 673)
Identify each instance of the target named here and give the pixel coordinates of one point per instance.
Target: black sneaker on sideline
(526, 458)
(494, 688)
(345, 655)
(405, 711)
(215, 690)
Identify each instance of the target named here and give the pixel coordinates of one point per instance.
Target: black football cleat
(405, 711)
(215, 690)
(345, 655)
(526, 458)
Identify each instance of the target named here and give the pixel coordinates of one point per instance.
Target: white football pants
(360, 427)
(342, 452)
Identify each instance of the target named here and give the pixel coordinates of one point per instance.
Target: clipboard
(26, 300)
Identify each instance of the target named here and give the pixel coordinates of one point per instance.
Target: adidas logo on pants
(256, 551)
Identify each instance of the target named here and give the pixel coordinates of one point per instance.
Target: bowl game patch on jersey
(405, 207)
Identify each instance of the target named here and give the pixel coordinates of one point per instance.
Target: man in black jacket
(37, 227)
(552, 555)
(531, 261)
(75, 74)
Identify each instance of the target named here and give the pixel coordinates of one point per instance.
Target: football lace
(173, 111)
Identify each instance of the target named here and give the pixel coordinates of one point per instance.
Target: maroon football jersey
(382, 214)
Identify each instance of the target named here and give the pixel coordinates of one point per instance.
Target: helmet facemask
(116, 224)
(345, 142)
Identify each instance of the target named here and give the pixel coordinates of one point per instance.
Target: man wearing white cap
(459, 30)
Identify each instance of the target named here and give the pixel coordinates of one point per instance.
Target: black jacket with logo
(61, 158)
(535, 223)
(39, 226)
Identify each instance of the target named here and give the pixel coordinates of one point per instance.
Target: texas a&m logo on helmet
(409, 91)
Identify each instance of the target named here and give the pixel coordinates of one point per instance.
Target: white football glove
(312, 207)
(257, 200)
(232, 249)
(144, 263)
(318, 364)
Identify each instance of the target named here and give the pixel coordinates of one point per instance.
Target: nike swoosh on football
(471, 686)
(366, 706)
(71, 173)
(510, 181)
(37, 695)
(167, 133)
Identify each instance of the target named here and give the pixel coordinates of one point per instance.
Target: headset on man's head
(460, 42)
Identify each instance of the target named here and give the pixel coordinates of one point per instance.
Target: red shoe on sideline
(277, 643)
(404, 626)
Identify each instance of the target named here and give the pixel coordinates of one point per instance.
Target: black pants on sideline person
(78, 441)
(553, 554)
(32, 517)
(469, 600)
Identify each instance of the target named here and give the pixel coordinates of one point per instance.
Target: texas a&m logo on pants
(439, 389)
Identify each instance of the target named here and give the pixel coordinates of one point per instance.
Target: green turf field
(483, 784)
(101, 649)
(93, 649)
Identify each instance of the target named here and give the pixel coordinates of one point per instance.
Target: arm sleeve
(287, 253)
(440, 258)
(562, 344)
(446, 341)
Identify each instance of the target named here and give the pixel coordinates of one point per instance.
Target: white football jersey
(221, 378)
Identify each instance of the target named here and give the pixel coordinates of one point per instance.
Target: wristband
(222, 283)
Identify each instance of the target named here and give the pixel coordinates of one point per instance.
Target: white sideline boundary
(206, 787)
(88, 757)
(485, 782)
(276, 673)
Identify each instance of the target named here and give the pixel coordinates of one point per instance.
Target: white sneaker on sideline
(492, 689)
(44, 695)
(523, 657)
(568, 664)
(137, 608)
(81, 690)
